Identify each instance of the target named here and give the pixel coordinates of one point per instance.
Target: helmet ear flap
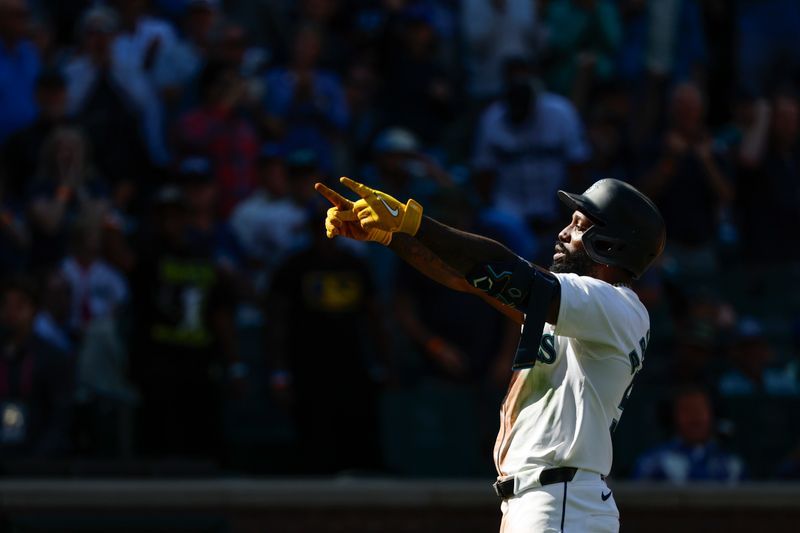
(603, 248)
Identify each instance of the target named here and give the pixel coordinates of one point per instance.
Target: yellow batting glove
(378, 210)
(342, 220)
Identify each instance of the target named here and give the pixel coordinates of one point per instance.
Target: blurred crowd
(165, 273)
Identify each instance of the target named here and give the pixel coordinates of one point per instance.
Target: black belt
(505, 489)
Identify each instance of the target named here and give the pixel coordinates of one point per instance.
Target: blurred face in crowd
(692, 417)
(69, 150)
(98, 45)
(200, 20)
(301, 183)
(394, 165)
(319, 11)
(570, 254)
(201, 198)
(87, 243)
(17, 310)
(130, 10)
(227, 89)
(752, 355)
(172, 222)
(57, 297)
(273, 178)
(785, 117)
(420, 38)
(519, 99)
(52, 102)
(13, 20)
(306, 48)
(604, 137)
(687, 110)
(232, 44)
(359, 86)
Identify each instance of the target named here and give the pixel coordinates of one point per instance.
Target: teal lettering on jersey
(547, 349)
(636, 365)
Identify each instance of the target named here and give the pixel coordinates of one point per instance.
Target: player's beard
(577, 262)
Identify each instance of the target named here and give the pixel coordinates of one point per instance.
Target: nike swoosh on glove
(379, 210)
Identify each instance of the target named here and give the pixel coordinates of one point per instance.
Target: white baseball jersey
(562, 411)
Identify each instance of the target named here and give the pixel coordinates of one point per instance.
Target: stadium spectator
(177, 68)
(417, 94)
(493, 32)
(327, 290)
(398, 164)
(751, 365)
(98, 289)
(206, 231)
(15, 236)
(183, 310)
(19, 68)
(52, 321)
(100, 100)
(330, 17)
(529, 145)
(688, 184)
(463, 341)
(268, 223)
(693, 454)
(769, 175)
(66, 188)
(582, 43)
(664, 43)
(305, 104)
(137, 48)
(768, 52)
(217, 132)
(36, 382)
(21, 150)
(361, 90)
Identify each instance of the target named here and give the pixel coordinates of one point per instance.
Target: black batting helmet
(627, 231)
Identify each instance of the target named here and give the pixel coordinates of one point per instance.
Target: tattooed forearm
(459, 250)
(423, 259)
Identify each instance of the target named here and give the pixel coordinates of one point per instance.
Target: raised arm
(457, 259)
(419, 256)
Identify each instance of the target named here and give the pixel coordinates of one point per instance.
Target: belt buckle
(501, 493)
(498, 490)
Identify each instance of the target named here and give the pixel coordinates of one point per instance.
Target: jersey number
(636, 365)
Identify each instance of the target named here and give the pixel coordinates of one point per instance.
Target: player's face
(570, 255)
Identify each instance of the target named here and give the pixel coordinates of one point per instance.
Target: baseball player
(584, 337)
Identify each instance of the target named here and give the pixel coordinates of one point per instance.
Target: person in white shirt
(494, 31)
(529, 144)
(584, 338)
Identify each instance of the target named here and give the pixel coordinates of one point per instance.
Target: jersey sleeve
(592, 310)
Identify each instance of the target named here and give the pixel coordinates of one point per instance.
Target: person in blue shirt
(692, 454)
(19, 68)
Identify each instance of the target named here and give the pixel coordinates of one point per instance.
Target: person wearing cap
(693, 454)
(583, 343)
(751, 369)
(400, 164)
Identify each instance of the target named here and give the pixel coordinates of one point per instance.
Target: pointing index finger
(359, 188)
(333, 197)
